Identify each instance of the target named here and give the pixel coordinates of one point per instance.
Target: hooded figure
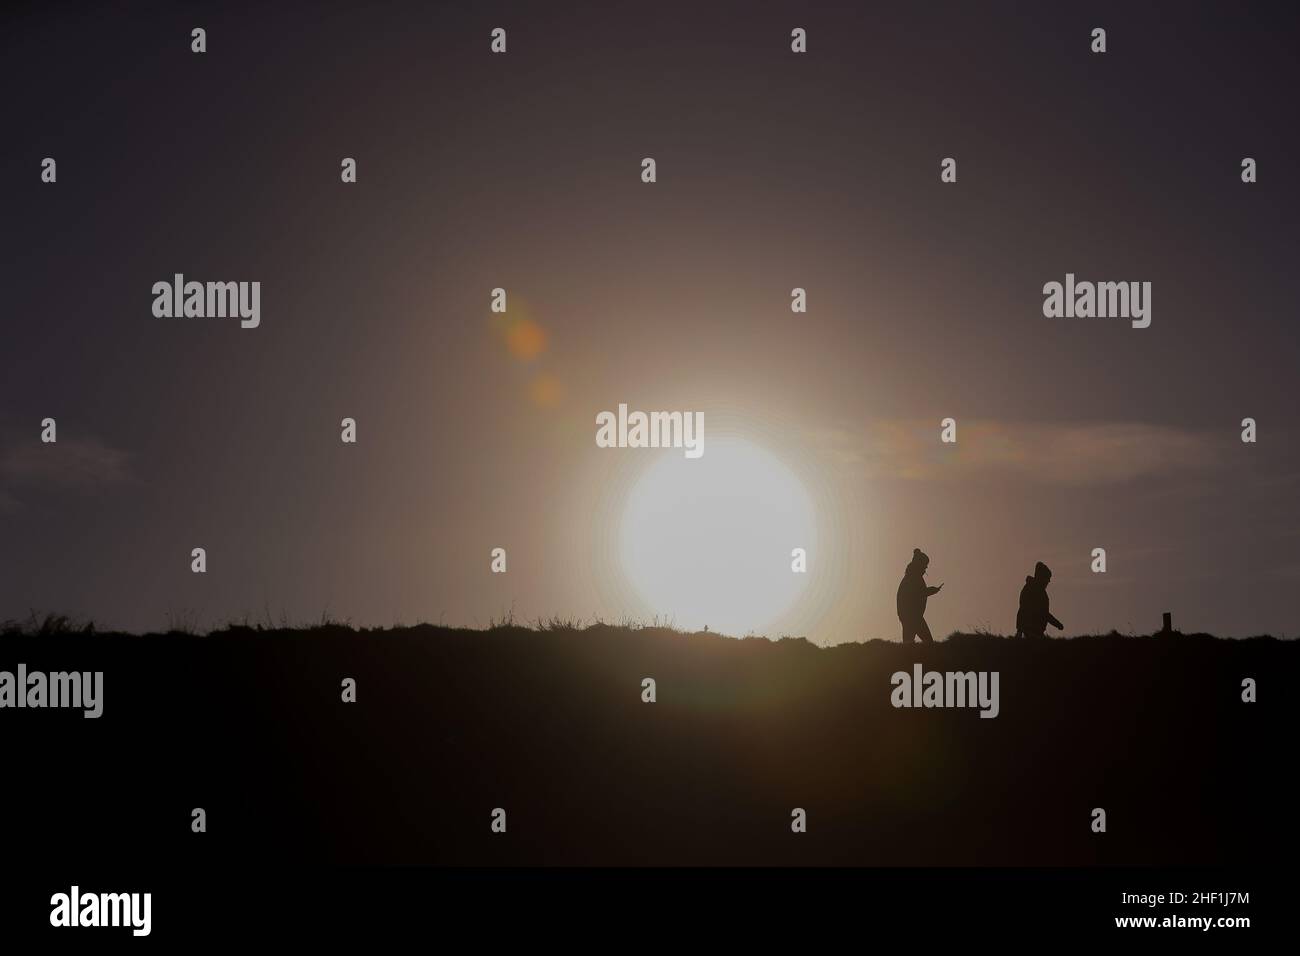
(912, 596)
(1033, 617)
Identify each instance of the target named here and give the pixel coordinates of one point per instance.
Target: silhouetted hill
(550, 726)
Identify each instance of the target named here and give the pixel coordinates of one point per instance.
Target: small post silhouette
(1169, 625)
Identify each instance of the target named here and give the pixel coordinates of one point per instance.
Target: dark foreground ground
(550, 725)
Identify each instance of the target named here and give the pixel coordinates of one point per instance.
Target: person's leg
(908, 633)
(923, 631)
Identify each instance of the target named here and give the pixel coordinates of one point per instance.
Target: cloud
(77, 463)
(1068, 454)
(839, 444)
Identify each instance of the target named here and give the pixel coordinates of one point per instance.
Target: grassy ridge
(549, 724)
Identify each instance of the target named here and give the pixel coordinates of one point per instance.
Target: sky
(774, 170)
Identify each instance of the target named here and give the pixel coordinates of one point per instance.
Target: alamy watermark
(75, 689)
(181, 299)
(946, 689)
(651, 430)
(75, 908)
(1102, 300)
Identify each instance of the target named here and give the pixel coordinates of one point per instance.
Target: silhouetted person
(912, 595)
(1033, 617)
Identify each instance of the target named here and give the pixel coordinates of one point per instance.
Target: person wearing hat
(912, 596)
(1033, 617)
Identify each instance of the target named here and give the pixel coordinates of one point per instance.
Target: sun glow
(709, 541)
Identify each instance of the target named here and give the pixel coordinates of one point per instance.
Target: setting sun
(709, 541)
